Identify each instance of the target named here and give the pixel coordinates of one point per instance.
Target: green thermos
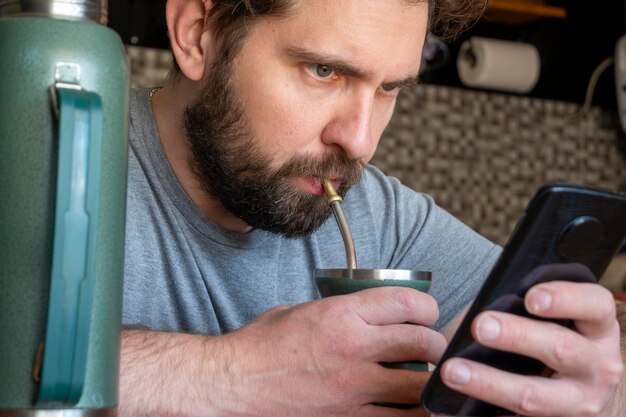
(64, 89)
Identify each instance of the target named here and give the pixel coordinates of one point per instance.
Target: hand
(587, 360)
(322, 358)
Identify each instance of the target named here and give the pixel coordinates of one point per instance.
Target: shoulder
(374, 179)
(140, 112)
(386, 197)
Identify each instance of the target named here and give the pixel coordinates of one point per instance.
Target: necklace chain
(152, 91)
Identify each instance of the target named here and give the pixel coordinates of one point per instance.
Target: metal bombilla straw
(335, 200)
(332, 282)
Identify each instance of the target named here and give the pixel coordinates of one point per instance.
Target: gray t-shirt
(184, 273)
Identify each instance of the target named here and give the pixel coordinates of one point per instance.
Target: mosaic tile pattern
(480, 155)
(483, 155)
(148, 66)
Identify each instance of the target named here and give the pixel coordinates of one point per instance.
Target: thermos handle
(74, 247)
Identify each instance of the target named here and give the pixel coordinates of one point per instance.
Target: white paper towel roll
(498, 65)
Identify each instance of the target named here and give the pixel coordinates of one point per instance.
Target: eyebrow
(345, 68)
(410, 81)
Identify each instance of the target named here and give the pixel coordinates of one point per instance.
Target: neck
(168, 106)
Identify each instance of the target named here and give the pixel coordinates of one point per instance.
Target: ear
(192, 42)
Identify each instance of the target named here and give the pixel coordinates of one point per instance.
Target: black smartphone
(567, 232)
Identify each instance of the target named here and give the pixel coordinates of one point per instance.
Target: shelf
(520, 12)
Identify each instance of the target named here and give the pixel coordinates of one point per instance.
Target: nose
(350, 126)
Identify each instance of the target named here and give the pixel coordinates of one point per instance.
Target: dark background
(570, 48)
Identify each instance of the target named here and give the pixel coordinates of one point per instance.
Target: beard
(231, 166)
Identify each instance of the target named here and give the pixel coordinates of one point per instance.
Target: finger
(407, 342)
(523, 395)
(558, 347)
(590, 306)
(393, 305)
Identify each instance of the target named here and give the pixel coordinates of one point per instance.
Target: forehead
(381, 35)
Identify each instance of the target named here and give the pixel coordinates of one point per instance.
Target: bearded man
(227, 221)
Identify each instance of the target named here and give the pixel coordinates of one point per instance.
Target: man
(227, 220)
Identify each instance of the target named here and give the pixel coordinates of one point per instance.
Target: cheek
(383, 111)
(280, 117)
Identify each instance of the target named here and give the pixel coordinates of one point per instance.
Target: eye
(389, 88)
(322, 71)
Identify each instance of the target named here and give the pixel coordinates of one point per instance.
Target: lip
(313, 185)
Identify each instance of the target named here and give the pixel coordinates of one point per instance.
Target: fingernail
(458, 373)
(488, 328)
(539, 300)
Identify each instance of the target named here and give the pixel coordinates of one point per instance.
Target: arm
(315, 359)
(158, 372)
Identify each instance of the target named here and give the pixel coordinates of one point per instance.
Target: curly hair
(233, 19)
(449, 18)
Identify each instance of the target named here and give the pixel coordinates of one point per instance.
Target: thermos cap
(90, 10)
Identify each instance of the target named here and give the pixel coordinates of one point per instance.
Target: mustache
(333, 164)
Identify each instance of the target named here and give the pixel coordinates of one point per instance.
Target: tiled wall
(148, 67)
(480, 155)
(483, 155)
